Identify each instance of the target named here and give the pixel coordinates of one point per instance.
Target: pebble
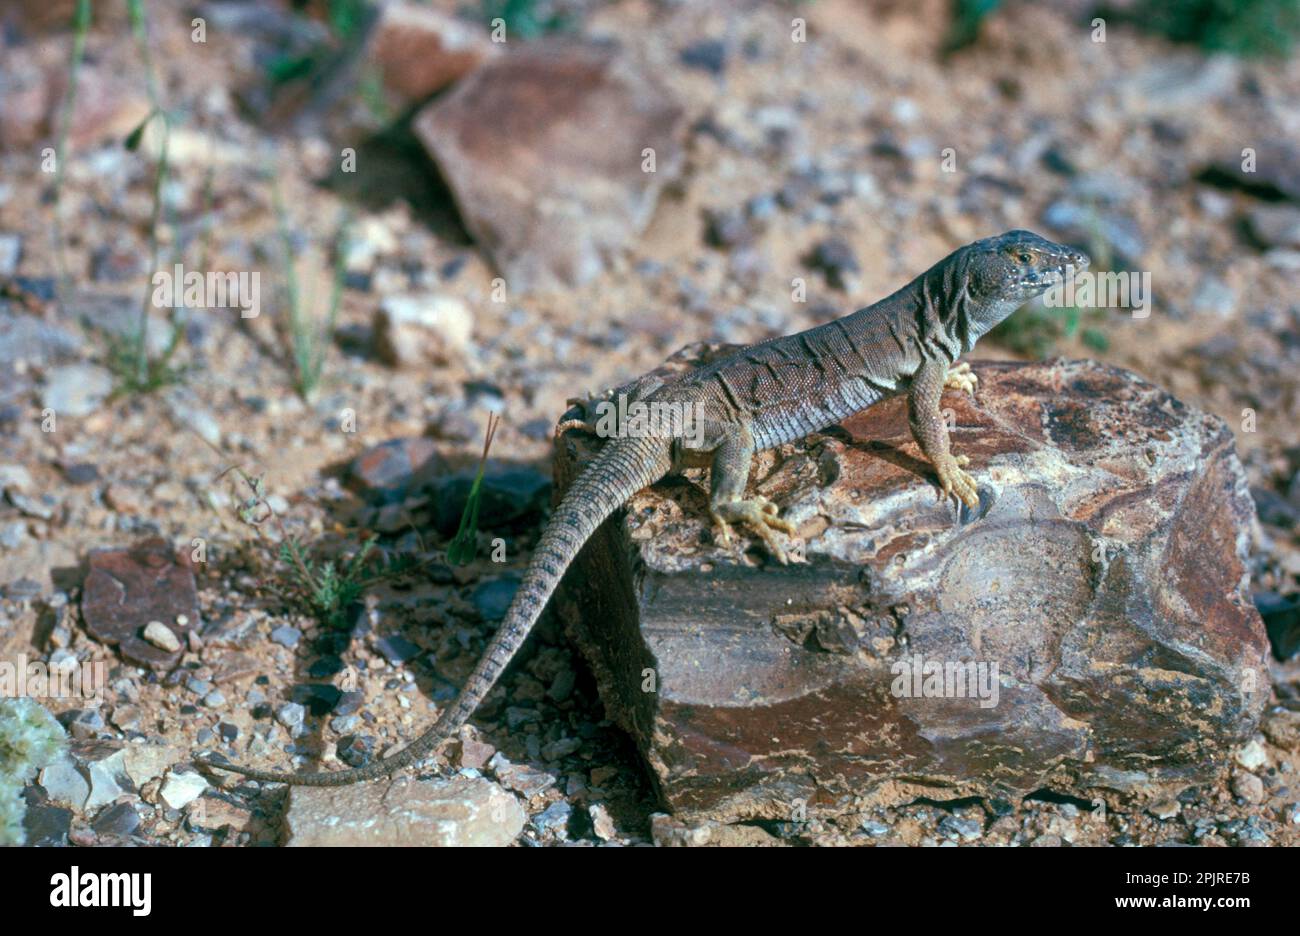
(182, 788)
(76, 389)
(161, 636)
(836, 259)
(554, 819)
(602, 823)
(291, 715)
(286, 636)
(1165, 809)
(1251, 755)
(118, 819)
(457, 811)
(1249, 787)
(11, 251)
(708, 55)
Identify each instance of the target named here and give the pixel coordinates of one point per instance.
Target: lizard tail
(622, 468)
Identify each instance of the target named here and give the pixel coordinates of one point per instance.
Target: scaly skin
(758, 398)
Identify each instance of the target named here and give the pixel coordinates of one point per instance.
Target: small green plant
(964, 26)
(80, 26)
(525, 19)
(30, 739)
(463, 545)
(309, 336)
(128, 355)
(1239, 27)
(322, 588)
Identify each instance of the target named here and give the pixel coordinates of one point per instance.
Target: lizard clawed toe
(955, 481)
(961, 377)
(759, 515)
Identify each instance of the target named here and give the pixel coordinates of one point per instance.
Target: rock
(11, 251)
(15, 478)
(1078, 223)
(460, 811)
(1282, 621)
(669, 832)
(602, 823)
(1110, 541)
(182, 788)
(1249, 787)
(120, 819)
(291, 715)
(126, 589)
(286, 636)
(25, 338)
(418, 51)
(508, 498)
(1273, 170)
(1275, 225)
(554, 184)
(396, 649)
(108, 106)
(46, 826)
(520, 778)
(392, 468)
(836, 259)
(1251, 755)
(708, 55)
(554, 819)
(158, 634)
(1165, 809)
(64, 783)
(76, 389)
(1282, 727)
(416, 330)
(492, 598)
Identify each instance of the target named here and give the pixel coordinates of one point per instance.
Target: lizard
(757, 398)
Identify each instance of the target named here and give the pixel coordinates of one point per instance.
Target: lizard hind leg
(727, 503)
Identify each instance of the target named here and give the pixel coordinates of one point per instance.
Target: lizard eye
(1023, 257)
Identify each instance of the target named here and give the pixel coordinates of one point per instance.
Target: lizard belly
(787, 421)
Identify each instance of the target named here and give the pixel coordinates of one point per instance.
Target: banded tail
(621, 469)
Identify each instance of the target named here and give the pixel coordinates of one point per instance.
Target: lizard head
(1006, 271)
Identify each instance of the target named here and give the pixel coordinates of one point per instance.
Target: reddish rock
(418, 51)
(395, 466)
(543, 149)
(1103, 574)
(128, 588)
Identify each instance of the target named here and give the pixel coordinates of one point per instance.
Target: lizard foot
(760, 515)
(585, 424)
(955, 481)
(961, 377)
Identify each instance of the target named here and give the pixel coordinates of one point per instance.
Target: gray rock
(76, 389)
(1276, 225)
(291, 715)
(286, 636)
(460, 811)
(11, 251)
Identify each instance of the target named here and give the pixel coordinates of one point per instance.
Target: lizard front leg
(931, 432)
(727, 503)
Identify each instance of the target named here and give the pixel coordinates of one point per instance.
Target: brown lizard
(760, 397)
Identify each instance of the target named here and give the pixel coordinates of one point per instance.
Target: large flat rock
(544, 149)
(1100, 589)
